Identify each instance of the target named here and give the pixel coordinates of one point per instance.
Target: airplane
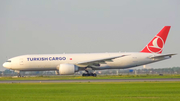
(65, 64)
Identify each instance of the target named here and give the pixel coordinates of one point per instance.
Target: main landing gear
(88, 73)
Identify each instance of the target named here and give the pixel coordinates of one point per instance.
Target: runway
(88, 80)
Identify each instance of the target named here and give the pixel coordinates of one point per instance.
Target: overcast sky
(87, 26)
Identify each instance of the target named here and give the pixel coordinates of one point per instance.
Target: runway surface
(90, 80)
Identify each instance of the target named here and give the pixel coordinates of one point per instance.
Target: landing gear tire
(89, 74)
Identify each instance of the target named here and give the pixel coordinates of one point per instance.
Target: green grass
(114, 91)
(98, 77)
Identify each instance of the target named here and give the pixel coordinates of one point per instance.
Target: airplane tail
(157, 43)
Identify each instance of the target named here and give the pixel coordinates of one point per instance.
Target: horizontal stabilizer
(167, 56)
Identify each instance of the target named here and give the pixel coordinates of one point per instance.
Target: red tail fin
(157, 43)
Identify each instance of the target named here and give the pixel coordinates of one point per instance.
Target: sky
(87, 26)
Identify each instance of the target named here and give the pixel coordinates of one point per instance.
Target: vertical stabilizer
(157, 43)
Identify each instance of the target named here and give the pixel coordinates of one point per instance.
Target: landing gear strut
(89, 73)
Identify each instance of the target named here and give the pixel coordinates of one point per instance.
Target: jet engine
(65, 69)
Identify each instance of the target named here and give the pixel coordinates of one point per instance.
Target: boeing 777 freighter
(71, 63)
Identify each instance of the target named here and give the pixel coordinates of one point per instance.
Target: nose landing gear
(18, 72)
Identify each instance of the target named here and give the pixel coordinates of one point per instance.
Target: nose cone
(7, 65)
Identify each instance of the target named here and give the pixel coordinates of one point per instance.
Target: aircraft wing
(166, 56)
(98, 61)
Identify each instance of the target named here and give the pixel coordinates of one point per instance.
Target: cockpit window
(8, 61)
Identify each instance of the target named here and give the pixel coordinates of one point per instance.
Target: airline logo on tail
(157, 43)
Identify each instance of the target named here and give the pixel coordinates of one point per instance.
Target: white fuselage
(52, 61)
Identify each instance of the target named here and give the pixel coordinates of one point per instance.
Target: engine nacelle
(65, 69)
